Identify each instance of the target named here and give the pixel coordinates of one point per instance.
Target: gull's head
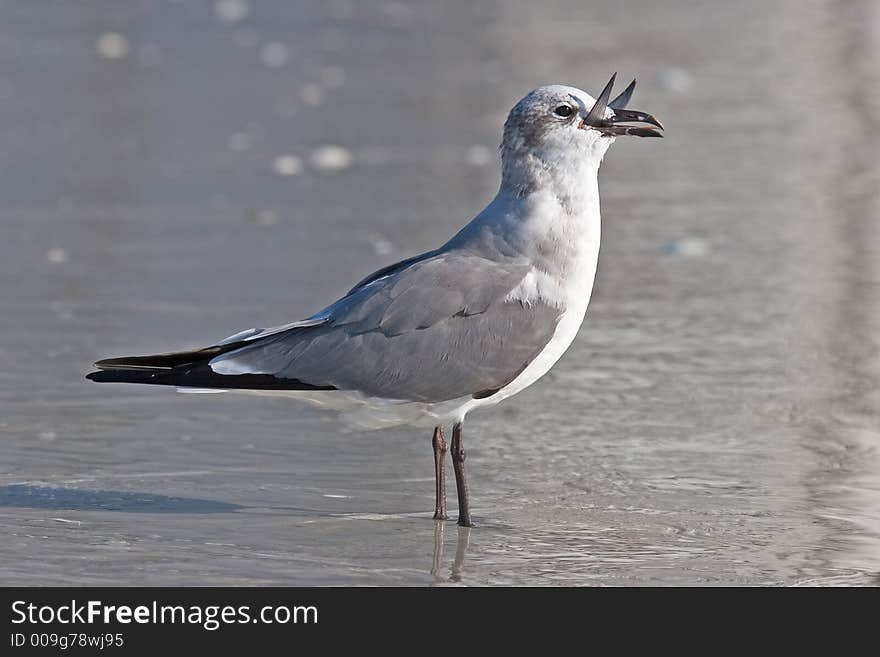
(561, 126)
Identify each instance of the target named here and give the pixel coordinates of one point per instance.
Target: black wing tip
(202, 378)
(162, 361)
(123, 376)
(107, 363)
(130, 363)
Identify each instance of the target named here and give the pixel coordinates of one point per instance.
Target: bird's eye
(563, 110)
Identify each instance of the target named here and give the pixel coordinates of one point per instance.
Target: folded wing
(440, 328)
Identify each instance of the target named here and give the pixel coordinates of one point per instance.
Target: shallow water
(715, 422)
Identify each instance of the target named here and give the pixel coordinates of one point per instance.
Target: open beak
(613, 126)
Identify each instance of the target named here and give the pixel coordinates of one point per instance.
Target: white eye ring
(564, 111)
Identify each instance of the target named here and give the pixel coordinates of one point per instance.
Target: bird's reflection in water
(461, 546)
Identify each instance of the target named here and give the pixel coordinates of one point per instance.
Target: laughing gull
(427, 340)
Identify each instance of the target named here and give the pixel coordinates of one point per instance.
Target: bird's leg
(458, 457)
(439, 443)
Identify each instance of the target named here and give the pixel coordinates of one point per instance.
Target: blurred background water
(175, 171)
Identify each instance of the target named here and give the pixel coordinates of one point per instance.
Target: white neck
(548, 216)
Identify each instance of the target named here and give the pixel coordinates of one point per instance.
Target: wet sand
(167, 179)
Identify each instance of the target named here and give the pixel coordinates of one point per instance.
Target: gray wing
(251, 334)
(435, 330)
(395, 268)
